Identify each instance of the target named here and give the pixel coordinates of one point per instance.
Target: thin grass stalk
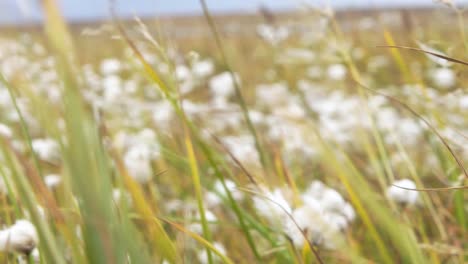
(239, 96)
(198, 191)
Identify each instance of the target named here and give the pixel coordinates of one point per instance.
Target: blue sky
(28, 10)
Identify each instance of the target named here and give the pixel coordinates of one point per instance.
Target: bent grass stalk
(198, 191)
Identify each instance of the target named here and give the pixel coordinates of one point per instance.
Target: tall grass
(84, 223)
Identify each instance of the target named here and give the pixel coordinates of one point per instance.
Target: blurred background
(28, 11)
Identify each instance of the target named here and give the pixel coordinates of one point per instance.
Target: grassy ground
(267, 138)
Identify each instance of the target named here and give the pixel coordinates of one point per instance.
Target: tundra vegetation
(310, 136)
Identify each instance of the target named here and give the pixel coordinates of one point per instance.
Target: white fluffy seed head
(110, 66)
(321, 217)
(401, 195)
(337, 72)
(20, 237)
(307, 224)
(222, 85)
(47, 149)
(52, 181)
(273, 206)
(5, 131)
(443, 77)
(203, 68)
(138, 163)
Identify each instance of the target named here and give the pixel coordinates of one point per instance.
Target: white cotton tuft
(443, 77)
(272, 35)
(242, 148)
(182, 72)
(21, 237)
(222, 85)
(138, 163)
(203, 68)
(321, 217)
(337, 72)
(273, 206)
(52, 180)
(110, 66)
(47, 149)
(5, 131)
(308, 223)
(401, 195)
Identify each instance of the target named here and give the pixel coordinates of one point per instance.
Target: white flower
(47, 150)
(203, 255)
(182, 72)
(333, 213)
(203, 68)
(20, 237)
(110, 66)
(272, 206)
(463, 102)
(138, 163)
(331, 201)
(308, 219)
(52, 180)
(5, 131)
(336, 72)
(443, 77)
(272, 35)
(162, 114)
(256, 117)
(222, 85)
(113, 89)
(348, 212)
(147, 136)
(402, 195)
(243, 148)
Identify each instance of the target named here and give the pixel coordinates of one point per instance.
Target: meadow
(309, 136)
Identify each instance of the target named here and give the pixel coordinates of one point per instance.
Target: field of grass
(262, 138)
